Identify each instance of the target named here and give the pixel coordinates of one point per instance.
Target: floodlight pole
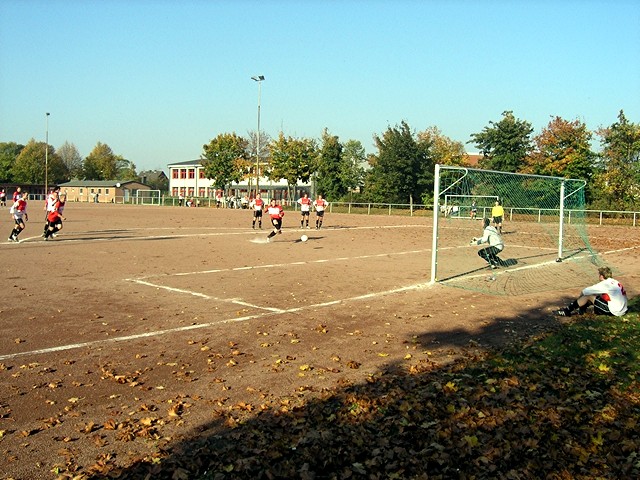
(259, 79)
(46, 158)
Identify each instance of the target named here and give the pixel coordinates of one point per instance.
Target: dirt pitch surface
(121, 336)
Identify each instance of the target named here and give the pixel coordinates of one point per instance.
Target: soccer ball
(304, 238)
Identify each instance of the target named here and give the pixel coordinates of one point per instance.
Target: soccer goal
(147, 197)
(460, 206)
(544, 231)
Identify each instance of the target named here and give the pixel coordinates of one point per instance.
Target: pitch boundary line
(157, 333)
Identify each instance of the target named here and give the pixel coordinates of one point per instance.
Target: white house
(187, 179)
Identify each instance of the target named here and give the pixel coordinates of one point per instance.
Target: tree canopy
(618, 180)
(292, 159)
(225, 159)
(402, 171)
(505, 144)
(9, 152)
(31, 164)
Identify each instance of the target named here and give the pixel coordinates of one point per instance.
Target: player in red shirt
(49, 204)
(257, 205)
(19, 213)
(305, 208)
(276, 213)
(320, 204)
(54, 217)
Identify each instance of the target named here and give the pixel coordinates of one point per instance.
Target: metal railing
(540, 215)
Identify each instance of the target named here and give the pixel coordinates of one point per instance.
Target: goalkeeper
(491, 236)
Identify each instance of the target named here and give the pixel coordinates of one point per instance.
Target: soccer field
(165, 313)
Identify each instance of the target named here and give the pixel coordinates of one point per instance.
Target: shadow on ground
(467, 419)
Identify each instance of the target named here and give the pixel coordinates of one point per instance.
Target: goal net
(460, 205)
(546, 244)
(147, 197)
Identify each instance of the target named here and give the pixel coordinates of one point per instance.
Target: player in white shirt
(50, 206)
(257, 204)
(320, 205)
(276, 213)
(491, 236)
(305, 209)
(608, 297)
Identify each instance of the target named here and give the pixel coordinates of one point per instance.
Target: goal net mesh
(544, 232)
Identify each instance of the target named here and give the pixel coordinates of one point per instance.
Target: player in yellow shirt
(497, 212)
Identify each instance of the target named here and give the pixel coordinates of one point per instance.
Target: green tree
(292, 159)
(329, 180)
(504, 144)
(402, 171)
(224, 159)
(618, 180)
(71, 157)
(32, 162)
(354, 159)
(562, 149)
(125, 169)
(9, 152)
(443, 150)
(101, 163)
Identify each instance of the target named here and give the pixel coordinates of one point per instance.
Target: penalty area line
(157, 333)
(205, 296)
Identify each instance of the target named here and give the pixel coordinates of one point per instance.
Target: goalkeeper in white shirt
(608, 297)
(491, 236)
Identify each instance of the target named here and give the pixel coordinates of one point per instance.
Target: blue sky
(155, 80)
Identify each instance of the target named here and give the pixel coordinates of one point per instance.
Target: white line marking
(278, 265)
(157, 333)
(202, 295)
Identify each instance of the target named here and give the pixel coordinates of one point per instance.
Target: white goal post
(147, 197)
(538, 199)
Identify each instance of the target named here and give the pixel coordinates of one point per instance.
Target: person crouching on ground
(491, 236)
(276, 213)
(608, 297)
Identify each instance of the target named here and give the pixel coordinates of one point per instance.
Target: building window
(201, 173)
(174, 173)
(183, 173)
(106, 191)
(192, 173)
(81, 190)
(191, 191)
(201, 191)
(174, 192)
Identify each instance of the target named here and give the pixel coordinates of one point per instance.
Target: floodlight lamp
(258, 78)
